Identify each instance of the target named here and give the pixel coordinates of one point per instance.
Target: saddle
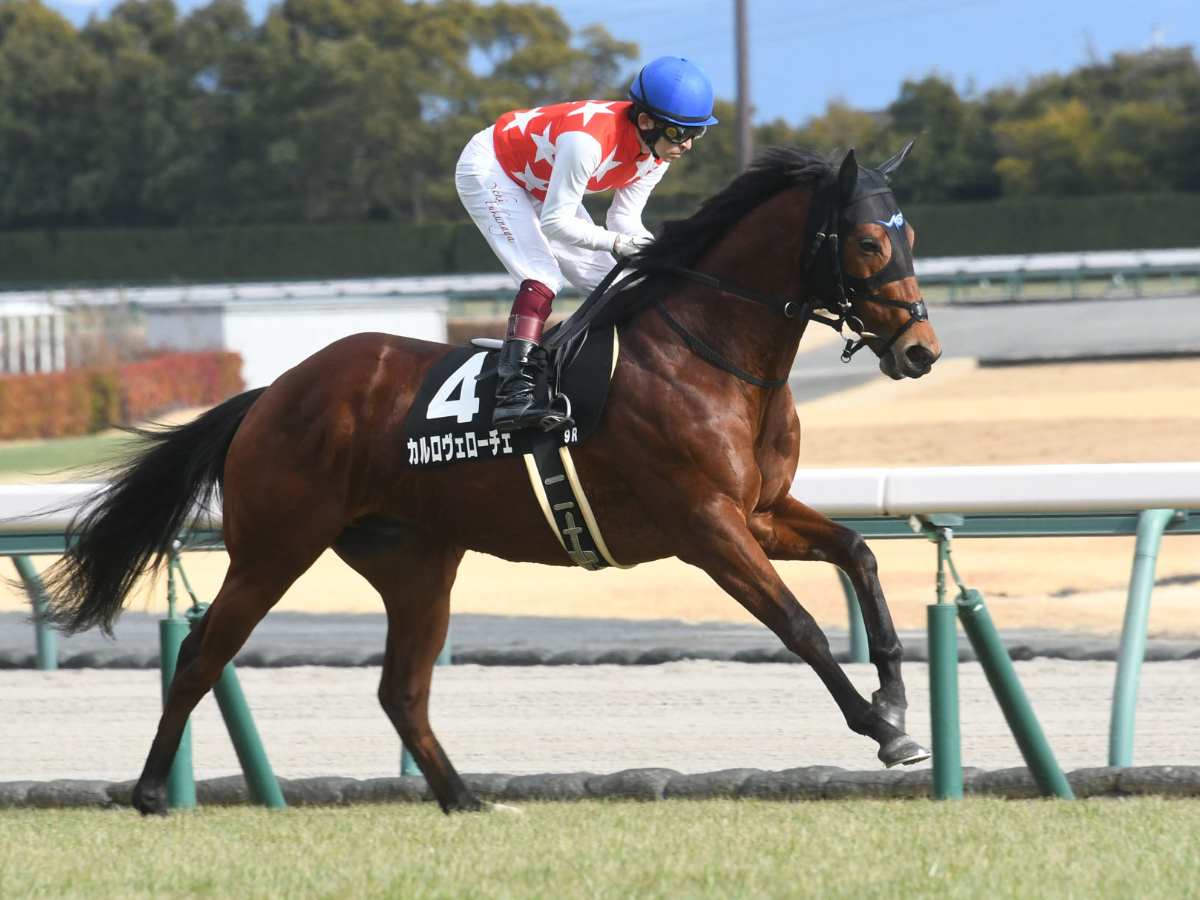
(450, 421)
(451, 418)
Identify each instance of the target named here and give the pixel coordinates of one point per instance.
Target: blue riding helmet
(675, 90)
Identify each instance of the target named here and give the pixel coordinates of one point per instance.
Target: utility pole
(745, 137)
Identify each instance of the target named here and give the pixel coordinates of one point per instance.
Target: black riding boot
(516, 405)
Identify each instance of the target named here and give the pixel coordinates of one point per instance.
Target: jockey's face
(666, 150)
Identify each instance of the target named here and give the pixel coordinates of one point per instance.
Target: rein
(810, 312)
(839, 317)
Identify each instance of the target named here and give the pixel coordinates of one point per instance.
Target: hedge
(353, 250)
(82, 401)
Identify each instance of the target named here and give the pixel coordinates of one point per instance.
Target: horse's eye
(869, 245)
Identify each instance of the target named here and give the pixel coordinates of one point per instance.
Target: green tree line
(356, 110)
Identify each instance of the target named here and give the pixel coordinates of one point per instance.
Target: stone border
(1073, 650)
(809, 783)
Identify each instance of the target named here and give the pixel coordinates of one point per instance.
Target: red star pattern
(528, 155)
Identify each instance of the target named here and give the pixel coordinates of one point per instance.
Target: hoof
(902, 751)
(468, 803)
(505, 809)
(149, 801)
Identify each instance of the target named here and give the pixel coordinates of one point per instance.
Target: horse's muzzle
(917, 360)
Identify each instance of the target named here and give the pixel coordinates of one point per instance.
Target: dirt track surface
(688, 716)
(958, 415)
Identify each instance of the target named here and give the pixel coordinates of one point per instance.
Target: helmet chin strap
(650, 138)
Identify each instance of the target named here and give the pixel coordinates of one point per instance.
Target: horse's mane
(683, 241)
(774, 169)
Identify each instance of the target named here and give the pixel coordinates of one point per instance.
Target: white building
(273, 326)
(274, 334)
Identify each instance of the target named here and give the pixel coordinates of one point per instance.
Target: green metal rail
(1148, 525)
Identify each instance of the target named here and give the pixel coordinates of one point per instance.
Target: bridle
(845, 288)
(825, 280)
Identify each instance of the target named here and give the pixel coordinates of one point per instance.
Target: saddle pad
(451, 419)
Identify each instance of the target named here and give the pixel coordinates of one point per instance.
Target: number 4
(463, 381)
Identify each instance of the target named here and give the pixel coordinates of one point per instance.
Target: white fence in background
(32, 338)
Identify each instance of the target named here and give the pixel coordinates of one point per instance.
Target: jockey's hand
(629, 244)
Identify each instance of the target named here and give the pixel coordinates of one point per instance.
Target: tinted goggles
(677, 134)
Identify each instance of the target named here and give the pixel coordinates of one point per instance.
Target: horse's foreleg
(790, 530)
(732, 556)
(414, 574)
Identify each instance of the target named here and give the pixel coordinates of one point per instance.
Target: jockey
(523, 180)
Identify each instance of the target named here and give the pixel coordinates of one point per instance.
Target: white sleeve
(576, 156)
(625, 213)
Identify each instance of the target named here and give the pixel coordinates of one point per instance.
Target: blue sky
(805, 54)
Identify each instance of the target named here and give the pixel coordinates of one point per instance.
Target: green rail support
(997, 666)
(47, 643)
(1151, 524)
(1023, 724)
(181, 785)
(408, 765)
(942, 623)
(859, 649)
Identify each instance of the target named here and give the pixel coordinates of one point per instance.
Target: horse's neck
(761, 253)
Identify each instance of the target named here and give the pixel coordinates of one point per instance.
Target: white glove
(629, 244)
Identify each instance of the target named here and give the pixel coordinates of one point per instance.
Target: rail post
(1151, 524)
(408, 765)
(942, 620)
(47, 643)
(859, 649)
(181, 786)
(1022, 722)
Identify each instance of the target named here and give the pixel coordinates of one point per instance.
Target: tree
(48, 113)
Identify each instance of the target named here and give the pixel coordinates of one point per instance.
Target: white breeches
(509, 218)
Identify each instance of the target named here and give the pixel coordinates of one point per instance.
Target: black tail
(129, 529)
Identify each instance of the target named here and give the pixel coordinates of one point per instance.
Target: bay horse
(692, 457)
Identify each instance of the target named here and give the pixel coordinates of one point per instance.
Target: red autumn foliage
(80, 401)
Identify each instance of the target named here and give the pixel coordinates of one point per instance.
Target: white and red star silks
(523, 182)
(526, 145)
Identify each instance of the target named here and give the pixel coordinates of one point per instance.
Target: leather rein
(837, 316)
(840, 318)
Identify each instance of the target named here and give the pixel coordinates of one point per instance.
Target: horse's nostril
(920, 357)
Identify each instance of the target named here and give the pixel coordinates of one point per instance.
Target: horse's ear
(848, 176)
(889, 167)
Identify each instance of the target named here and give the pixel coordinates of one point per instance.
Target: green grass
(62, 454)
(981, 847)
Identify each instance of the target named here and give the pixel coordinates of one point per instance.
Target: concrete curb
(809, 783)
(1074, 650)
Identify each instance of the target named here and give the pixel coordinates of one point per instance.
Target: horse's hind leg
(793, 531)
(413, 572)
(732, 556)
(247, 594)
